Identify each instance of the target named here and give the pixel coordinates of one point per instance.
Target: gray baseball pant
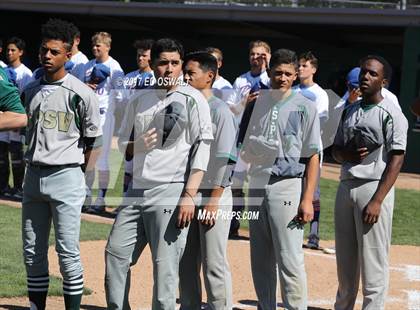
(274, 245)
(52, 194)
(207, 246)
(150, 219)
(361, 249)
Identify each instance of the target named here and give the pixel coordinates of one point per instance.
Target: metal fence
(363, 4)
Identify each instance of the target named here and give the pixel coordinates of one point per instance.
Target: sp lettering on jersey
(51, 119)
(167, 211)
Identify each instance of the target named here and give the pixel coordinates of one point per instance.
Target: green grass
(405, 229)
(12, 270)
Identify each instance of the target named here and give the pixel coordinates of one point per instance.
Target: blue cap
(353, 77)
(11, 74)
(99, 73)
(69, 65)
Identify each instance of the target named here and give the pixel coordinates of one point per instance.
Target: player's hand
(92, 85)
(371, 212)
(356, 156)
(147, 141)
(186, 211)
(354, 94)
(251, 97)
(210, 211)
(305, 211)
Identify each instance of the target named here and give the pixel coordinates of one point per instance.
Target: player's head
(15, 48)
(259, 55)
(166, 57)
(101, 44)
(76, 37)
(200, 70)
(283, 69)
(143, 48)
(308, 64)
(374, 71)
(217, 53)
(57, 41)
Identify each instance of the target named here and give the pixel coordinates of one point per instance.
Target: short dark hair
(166, 45)
(206, 61)
(75, 31)
(309, 56)
(383, 61)
(20, 44)
(215, 50)
(144, 45)
(57, 29)
(284, 56)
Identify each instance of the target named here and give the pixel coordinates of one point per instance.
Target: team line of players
(180, 144)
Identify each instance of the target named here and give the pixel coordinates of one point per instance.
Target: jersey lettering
(50, 119)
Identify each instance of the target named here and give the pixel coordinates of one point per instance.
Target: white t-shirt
(23, 76)
(106, 92)
(321, 100)
(2, 64)
(242, 86)
(222, 88)
(79, 59)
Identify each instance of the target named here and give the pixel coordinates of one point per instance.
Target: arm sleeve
(396, 126)
(200, 155)
(322, 108)
(9, 96)
(90, 117)
(117, 82)
(311, 135)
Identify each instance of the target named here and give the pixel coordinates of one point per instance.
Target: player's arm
(200, 131)
(306, 210)
(389, 176)
(92, 151)
(13, 115)
(395, 129)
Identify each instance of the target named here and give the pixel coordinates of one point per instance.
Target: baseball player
(221, 87)
(11, 141)
(138, 79)
(104, 75)
(63, 130)
(282, 144)
(370, 143)
(13, 115)
(207, 237)
(78, 59)
(171, 147)
(245, 90)
(308, 65)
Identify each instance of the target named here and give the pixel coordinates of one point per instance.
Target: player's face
(306, 69)
(53, 55)
(100, 50)
(13, 53)
(371, 77)
(259, 57)
(282, 77)
(168, 67)
(143, 59)
(196, 77)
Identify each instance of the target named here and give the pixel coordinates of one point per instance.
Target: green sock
(72, 302)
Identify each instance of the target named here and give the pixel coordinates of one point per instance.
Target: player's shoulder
(189, 92)
(388, 105)
(26, 70)
(33, 84)
(74, 85)
(114, 64)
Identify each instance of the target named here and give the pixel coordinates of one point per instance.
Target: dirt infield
(404, 290)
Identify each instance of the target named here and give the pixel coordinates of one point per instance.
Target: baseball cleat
(313, 242)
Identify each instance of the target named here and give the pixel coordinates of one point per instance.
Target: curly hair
(57, 29)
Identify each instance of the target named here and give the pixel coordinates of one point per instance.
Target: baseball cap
(68, 66)
(11, 74)
(99, 73)
(353, 77)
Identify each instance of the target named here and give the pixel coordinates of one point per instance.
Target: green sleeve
(9, 95)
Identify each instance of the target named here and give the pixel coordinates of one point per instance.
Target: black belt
(40, 166)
